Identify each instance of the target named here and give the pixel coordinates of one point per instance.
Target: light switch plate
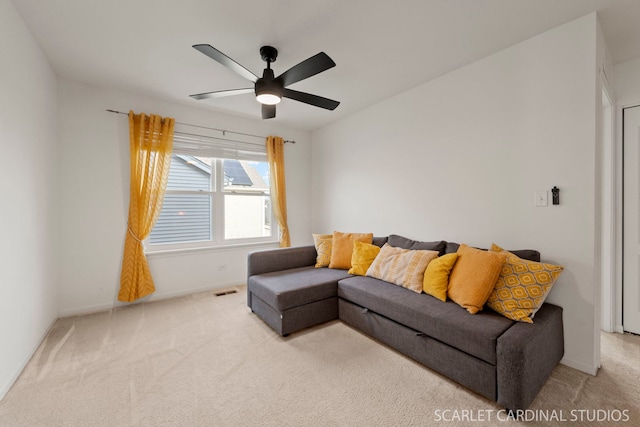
(541, 200)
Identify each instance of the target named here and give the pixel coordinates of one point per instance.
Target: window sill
(221, 248)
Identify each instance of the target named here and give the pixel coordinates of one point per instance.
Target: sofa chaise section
(288, 293)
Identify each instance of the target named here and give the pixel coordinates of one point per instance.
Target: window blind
(209, 146)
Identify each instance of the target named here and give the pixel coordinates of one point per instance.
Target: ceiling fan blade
(223, 59)
(268, 111)
(310, 99)
(222, 93)
(307, 68)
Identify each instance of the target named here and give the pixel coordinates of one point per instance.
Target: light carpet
(202, 360)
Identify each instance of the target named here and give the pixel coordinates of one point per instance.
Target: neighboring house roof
(238, 172)
(235, 172)
(254, 175)
(195, 162)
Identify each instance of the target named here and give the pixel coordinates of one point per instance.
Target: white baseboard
(580, 366)
(7, 386)
(219, 286)
(79, 311)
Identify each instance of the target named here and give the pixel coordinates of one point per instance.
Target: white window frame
(184, 144)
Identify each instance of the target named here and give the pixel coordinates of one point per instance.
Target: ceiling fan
(270, 90)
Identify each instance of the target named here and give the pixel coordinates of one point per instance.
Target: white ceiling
(381, 47)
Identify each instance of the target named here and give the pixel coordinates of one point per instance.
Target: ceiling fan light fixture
(268, 91)
(268, 98)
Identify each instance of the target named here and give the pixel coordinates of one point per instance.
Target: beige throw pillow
(402, 267)
(323, 249)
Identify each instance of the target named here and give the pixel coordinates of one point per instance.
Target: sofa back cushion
(528, 254)
(379, 241)
(404, 243)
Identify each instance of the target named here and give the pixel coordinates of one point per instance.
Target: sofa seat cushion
(286, 289)
(447, 322)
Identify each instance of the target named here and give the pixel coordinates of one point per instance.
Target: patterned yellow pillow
(522, 286)
(323, 249)
(474, 276)
(436, 277)
(363, 256)
(402, 267)
(342, 248)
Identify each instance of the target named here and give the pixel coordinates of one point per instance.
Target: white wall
(28, 178)
(627, 83)
(459, 158)
(94, 198)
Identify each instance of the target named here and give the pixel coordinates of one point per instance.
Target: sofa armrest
(526, 355)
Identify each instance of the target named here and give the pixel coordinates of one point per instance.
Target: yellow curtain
(151, 141)
(275, 156)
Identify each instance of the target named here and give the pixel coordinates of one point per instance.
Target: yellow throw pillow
(342, 248)
(363, 256)
(436, 277)
(323, 249)
(402, 267)
(474, 276)
(522, 286)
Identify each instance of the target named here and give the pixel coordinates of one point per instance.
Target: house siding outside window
(213, 202)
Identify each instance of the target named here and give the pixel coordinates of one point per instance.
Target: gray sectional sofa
(498, 358)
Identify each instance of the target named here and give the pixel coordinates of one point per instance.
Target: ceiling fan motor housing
(269, 84)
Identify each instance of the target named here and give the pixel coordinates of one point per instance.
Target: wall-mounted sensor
(555, 194)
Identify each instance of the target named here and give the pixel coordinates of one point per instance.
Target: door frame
(608, 210)
(619, 327)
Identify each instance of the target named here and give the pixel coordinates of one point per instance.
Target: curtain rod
(224, 131)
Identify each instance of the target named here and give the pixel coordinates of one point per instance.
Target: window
(214, 201)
